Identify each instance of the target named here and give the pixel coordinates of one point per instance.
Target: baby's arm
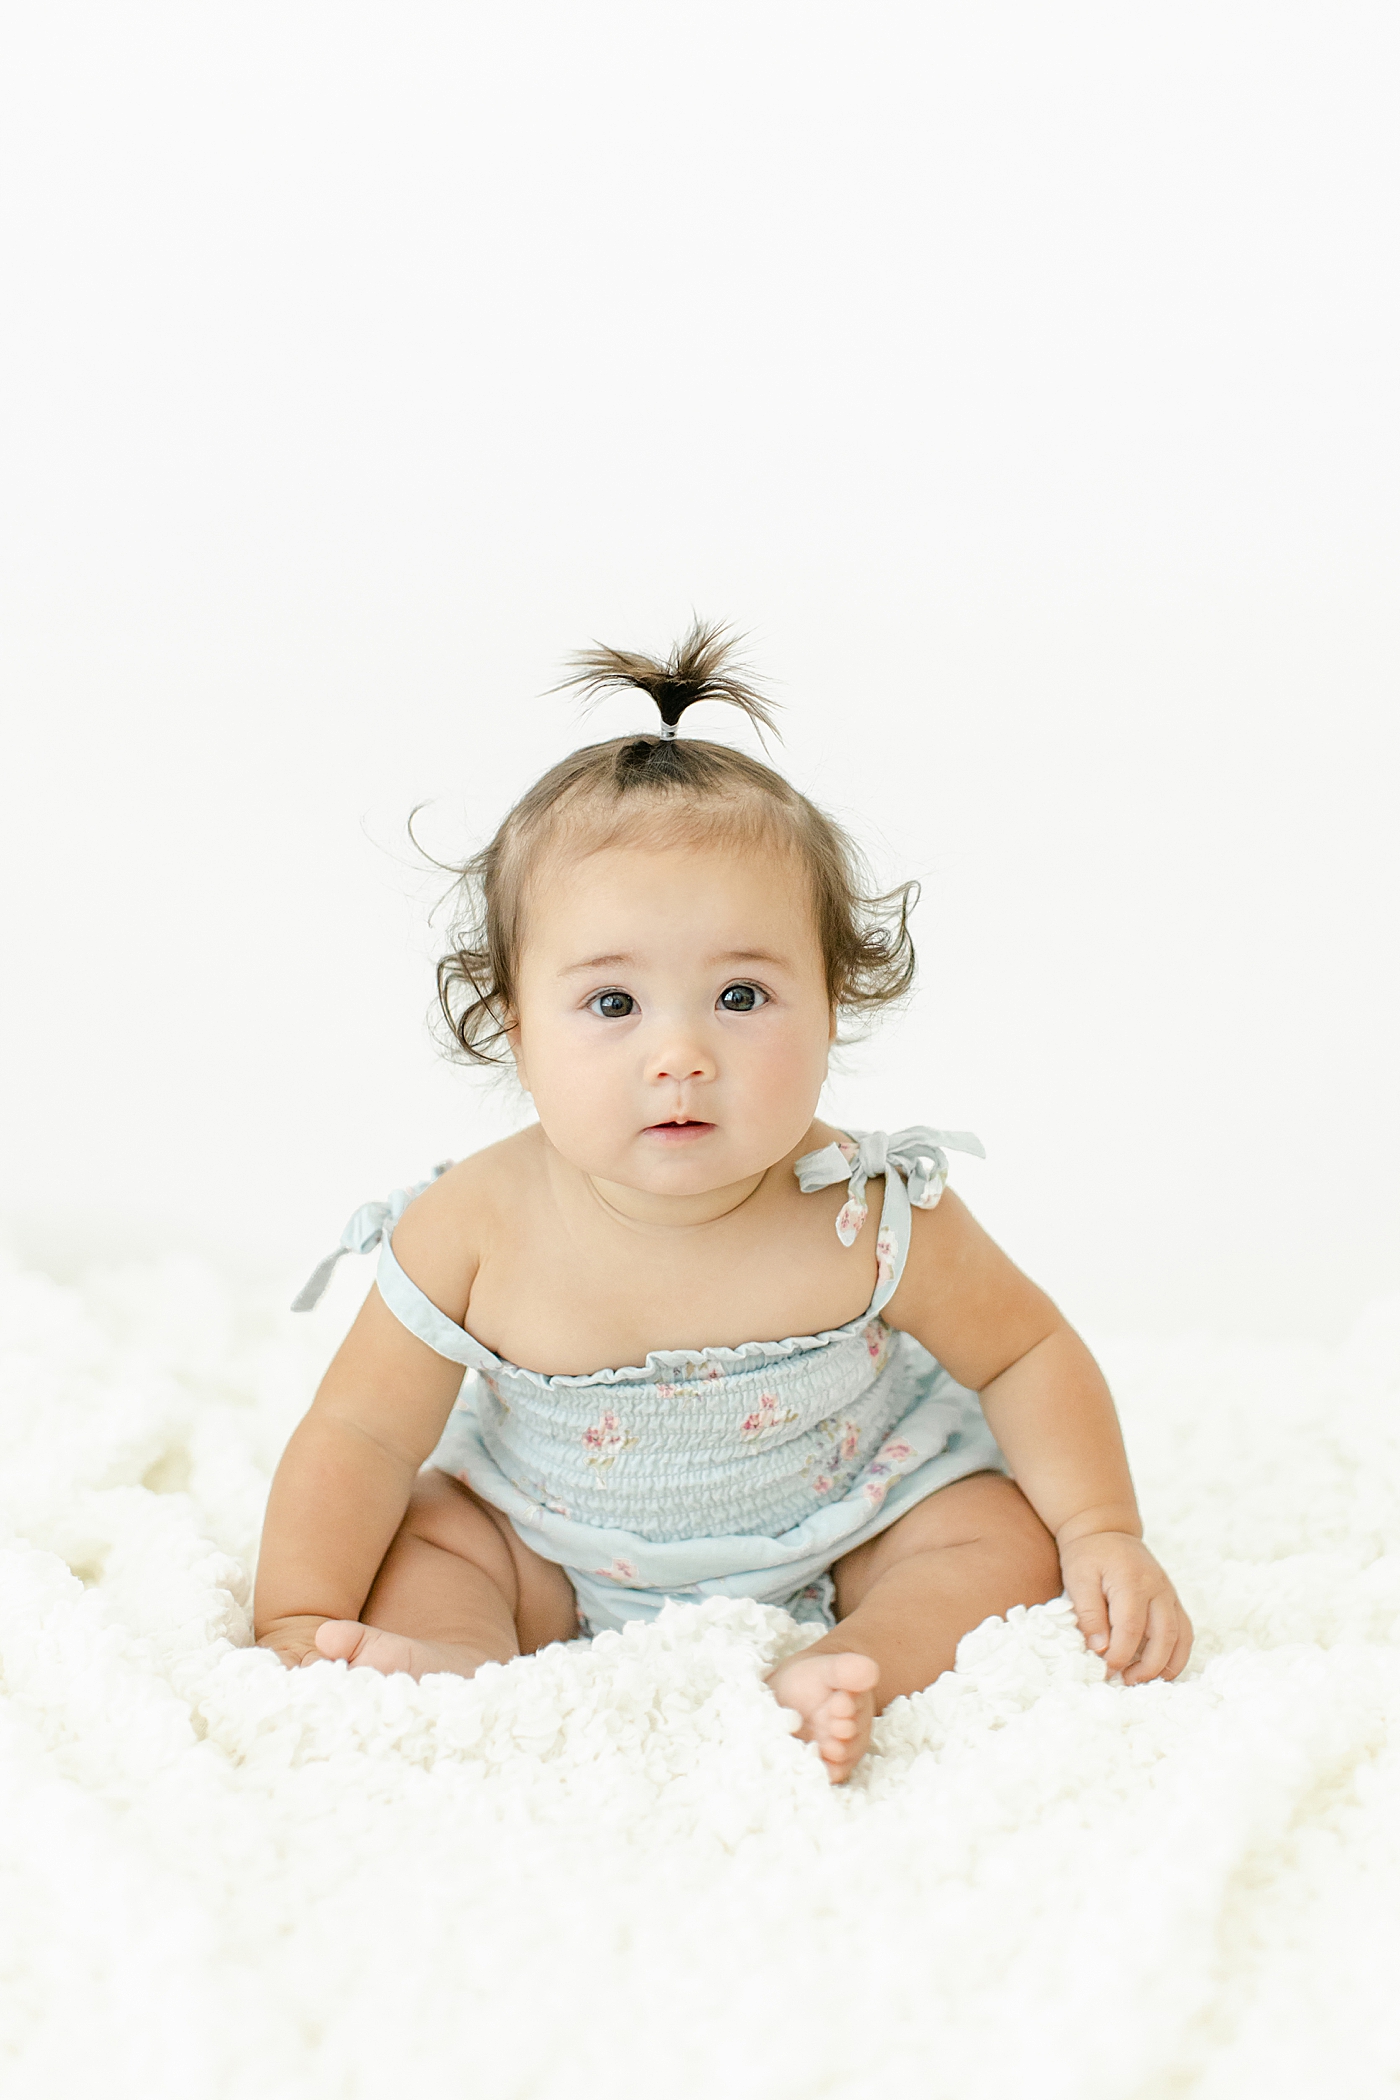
(343, 1485)
(1050, 1410)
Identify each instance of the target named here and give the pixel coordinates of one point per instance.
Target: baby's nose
(679, 1058)
(693, 1067)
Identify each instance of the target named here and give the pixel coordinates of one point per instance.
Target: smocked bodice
(751, 1437)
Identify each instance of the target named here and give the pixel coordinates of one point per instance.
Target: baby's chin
(670, 1159)
(692, 1156)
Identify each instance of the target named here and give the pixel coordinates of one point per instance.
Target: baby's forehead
(707, 839)
(706, 887)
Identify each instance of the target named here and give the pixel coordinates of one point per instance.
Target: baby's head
(666, 936)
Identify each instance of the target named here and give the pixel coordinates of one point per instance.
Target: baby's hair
(653, 789)
(699, 668)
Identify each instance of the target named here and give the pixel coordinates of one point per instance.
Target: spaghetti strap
(915, 1167)
(415, 1310)
(373, 1226)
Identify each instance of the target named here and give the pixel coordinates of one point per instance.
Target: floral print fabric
(748, 1445)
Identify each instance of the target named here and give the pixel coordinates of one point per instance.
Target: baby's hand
(1127, 1610)
(294, 1640)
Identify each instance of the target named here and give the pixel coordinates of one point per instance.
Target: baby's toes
(836, 1718)
(841, 1756)
(841, 1731)
(834, 1694)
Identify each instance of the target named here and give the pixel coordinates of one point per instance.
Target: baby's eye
(741, 998)
(612, 1006)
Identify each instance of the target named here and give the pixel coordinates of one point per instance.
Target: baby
(698, 1366)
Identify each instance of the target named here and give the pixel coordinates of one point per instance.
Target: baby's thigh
(445, 1512)
(985, 1511)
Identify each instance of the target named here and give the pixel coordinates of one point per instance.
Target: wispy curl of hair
(653, 786)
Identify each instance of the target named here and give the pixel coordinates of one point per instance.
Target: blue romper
(740, 1472)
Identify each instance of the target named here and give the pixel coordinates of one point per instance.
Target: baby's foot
(371, 1648)
(835, 1695)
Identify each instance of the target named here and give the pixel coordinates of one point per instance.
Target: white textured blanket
(609, 1869)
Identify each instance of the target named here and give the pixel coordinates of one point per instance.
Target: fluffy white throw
(610, 1869)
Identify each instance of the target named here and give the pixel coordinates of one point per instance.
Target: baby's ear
(511, 1032)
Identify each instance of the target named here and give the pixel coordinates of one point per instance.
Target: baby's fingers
(1090, 1608)
(1128, 1617)
(1164, 1615)
(1181, 1653)
(291, 1654)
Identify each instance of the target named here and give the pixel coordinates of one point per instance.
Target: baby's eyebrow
(595, 962)
(618, 962)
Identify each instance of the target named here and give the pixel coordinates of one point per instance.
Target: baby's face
(673, 1020)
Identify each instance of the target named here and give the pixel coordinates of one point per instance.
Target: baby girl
(713, 1346)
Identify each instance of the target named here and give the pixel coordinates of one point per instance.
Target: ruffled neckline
(659, 1361)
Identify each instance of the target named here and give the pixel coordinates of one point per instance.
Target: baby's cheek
(784, 1080)
(584, 1104)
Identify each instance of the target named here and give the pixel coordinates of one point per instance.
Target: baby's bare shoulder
(443, 1236)
(489, 1177)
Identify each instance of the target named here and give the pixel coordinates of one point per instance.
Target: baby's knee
(1032, 1546)
(442, 1512)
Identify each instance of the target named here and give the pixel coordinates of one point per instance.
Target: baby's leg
(456, 1589)
(904, 1601)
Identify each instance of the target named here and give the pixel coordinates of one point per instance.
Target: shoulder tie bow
(371, 1223)
(916, 1154)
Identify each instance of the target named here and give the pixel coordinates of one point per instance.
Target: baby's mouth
(677, 1129)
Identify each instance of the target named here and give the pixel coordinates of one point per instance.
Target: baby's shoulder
(498, 1170)
(477, 1192)
(444, 1234)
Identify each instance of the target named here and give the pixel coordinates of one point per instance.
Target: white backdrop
(1021, 378)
